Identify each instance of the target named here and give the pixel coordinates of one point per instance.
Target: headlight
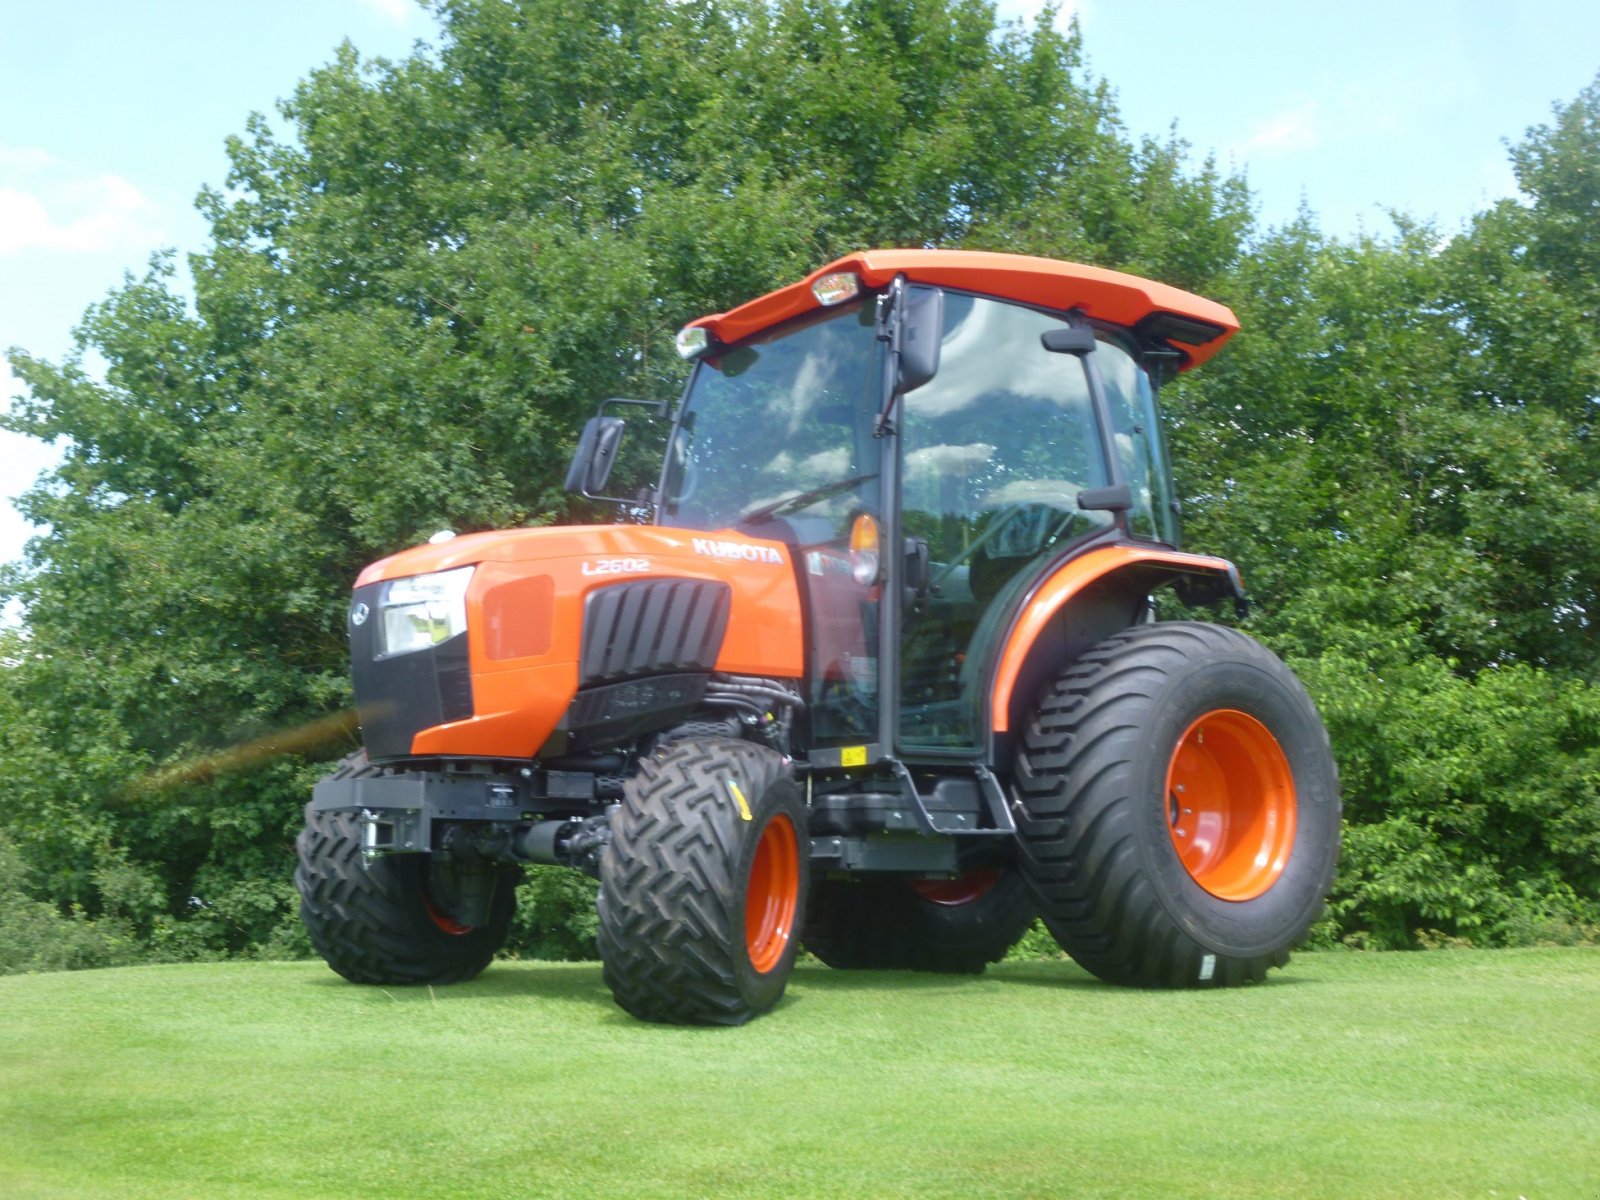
(423, 610)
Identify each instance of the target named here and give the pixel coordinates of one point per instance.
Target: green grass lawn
(1415, 1076)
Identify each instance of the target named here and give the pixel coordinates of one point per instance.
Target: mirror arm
(660, 407)
(890, 308)
(597, 449)
(911, 322)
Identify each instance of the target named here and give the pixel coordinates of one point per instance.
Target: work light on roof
(693, 341)
(835, 288)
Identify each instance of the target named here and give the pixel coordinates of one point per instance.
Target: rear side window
(1136, 434)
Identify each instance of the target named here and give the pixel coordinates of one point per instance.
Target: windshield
(777, 426)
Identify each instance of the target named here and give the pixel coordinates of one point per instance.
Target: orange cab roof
(1104, 295)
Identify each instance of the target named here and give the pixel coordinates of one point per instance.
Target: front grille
(652, 627)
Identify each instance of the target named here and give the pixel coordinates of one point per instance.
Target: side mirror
(595, 456)
(1075, 339)
(1118, 498)
(921, 332)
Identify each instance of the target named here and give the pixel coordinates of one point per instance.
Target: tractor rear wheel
(401, 918)
(956, 926)
(704, 884)
(1179, 808)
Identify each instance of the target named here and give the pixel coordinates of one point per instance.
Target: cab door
(994, 451)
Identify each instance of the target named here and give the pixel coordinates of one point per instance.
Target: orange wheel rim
(953, 893)
(1231, 805)
(443, 919)
(773, 895)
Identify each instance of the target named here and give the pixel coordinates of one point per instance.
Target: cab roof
(1191, 324)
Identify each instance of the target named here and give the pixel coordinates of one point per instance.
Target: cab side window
(1136, 435)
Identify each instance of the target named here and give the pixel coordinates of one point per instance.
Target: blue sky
(114, 113)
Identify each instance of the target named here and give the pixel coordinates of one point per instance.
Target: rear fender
(1084, 600)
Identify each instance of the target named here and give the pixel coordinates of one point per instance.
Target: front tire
(704, 883)
(1179, 808)
(396, 919)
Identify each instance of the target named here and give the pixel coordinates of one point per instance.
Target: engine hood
(598, 542)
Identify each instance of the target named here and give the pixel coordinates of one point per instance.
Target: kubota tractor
(880, 677)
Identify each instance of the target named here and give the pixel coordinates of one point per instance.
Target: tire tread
(671, 934)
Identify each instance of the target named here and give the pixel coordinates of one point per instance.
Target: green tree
(1399, 451)
(406, 308)
(408, 304)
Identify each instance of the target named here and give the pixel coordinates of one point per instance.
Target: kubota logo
(738, 550)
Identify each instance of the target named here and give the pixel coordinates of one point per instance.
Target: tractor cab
(986, 435)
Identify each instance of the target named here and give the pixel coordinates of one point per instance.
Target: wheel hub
(773, 894)
(1231, 805)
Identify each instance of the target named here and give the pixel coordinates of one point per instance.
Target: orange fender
(1055, 592)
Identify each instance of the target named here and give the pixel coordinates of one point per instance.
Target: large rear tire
(1179, 808)
(398, 918)
(704, 884)
(955, 927)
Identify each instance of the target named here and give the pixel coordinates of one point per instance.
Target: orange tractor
(881, 675)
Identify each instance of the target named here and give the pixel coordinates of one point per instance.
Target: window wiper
(791, 503)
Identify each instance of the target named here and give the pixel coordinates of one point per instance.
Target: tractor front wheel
(1179, 808)
(704, 884)
(400, 918)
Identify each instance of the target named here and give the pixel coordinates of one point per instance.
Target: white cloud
(77, 216)
(22, 460)
(26, 158)
(1294, 129)
(1361, 109)
(1496, 181)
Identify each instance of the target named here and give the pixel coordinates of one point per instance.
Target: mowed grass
(1416, 1076)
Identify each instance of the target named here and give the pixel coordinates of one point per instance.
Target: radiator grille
(652, 627)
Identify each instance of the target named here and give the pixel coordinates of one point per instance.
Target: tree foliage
(1400, 451)
(413, 295)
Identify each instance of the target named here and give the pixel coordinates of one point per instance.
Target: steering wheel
(1049, 502)
(1004, 515)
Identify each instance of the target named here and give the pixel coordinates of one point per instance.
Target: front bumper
(399, 811)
